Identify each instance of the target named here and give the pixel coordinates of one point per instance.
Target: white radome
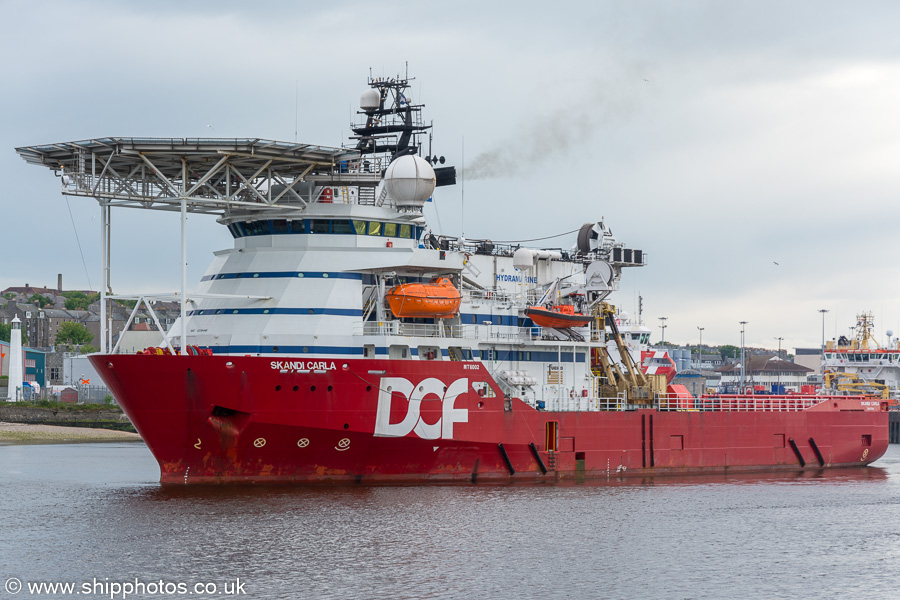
(409, 180)
(370, 99)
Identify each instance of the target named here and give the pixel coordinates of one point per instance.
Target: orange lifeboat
(557, 316)
(438, 298)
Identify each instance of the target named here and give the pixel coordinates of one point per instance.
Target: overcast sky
(752, 149)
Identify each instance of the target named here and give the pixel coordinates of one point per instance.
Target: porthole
(305, 349)
(346, 425)
(234, 312)
(275, 349)
(277, 388)
(265, 311)
(368, 388)
(330, 388)
(296, 388)
(325, 275)
(299, 274)
(312, 388)
(312, 311)
(256, 275)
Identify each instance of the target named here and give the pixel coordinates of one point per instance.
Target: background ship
(296, 358)
(860, 364)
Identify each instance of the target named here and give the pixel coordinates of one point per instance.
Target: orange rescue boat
(557, 316)
(438, 298)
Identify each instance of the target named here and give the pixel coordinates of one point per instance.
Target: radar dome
(370, 99)
(409, 180)
(889, 333)
(523, 259)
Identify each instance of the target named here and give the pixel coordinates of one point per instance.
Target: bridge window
(359, 227)
(390, 229)
(320, 226)
(298, 226)
(406, 231)
(280, 226)
(374, 228)
(341, 226)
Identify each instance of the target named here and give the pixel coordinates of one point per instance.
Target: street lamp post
(823, 311)
(743, 323)
(700, 350)
(662, 325)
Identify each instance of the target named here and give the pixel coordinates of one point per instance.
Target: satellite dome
(409, 180)
(370, 99)
(523, 259)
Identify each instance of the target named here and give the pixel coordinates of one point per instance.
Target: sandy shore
(19, 433)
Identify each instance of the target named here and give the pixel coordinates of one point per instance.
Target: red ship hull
(219, 419)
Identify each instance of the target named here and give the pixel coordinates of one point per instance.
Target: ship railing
(487, 296)
(737, 403)
(429, 330)
(484, 332)
(585, 404)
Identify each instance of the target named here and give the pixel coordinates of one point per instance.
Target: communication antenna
(462, 179)
(296, 106)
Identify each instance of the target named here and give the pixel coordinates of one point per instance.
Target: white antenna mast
(462, 180)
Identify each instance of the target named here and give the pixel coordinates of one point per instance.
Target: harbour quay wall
(894, 427)
(104, 418)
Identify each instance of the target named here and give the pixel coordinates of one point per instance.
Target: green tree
(74, 334)
(79, 300)
(4, 334)
(729, 351)
(129, 304)
(39, 300)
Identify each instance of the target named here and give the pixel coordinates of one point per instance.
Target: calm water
(78, 512)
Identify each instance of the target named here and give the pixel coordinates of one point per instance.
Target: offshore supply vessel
(340, 340)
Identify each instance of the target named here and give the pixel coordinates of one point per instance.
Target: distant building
(34, 360)
(706, 362)
(811, 358)
(764, 374)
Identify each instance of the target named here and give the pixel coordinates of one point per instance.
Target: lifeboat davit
(438, 298)
(557, 316)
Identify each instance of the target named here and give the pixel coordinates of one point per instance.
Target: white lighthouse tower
(16, 365)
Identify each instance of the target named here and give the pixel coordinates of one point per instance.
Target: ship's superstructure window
(341, 226)
(328, 226)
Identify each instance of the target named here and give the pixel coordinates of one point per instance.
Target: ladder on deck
(370, 303)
